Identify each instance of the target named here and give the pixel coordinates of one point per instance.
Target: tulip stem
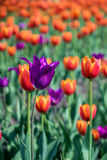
(29, 95)
(42, 121)
(32, 125)
(69, 110)
(90, 144)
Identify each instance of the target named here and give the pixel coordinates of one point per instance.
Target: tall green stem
(32, 126)
(69, 111)
(29, 94)
(90, 144)
(42, 121)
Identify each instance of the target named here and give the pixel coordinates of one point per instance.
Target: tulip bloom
(104, 67)
(71, 63)
(56, 96)
(90, 68)
(4, 82)
(85, 111)
(68, 86)
(102, 131)
(20, 45)
(11, 50)
(3, 46)
(41, 73)
(49, 60)
(43, 103)
(67, 37)
(24, 77)
(81, 127)
(35, 38)
(95, 134)
(98, 56)
(44, 29)
(55, 40)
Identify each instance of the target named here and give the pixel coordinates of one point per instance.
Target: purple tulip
(4, 82)
(41, 73)
(22, 25)
(98, 56)
(102, 131)
(56, 96)
(43, 40)
(20, 45)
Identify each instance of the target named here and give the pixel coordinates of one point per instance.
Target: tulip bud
(71, 63)
(81, 127)
(90, 68)
(85, 111)
(68, 86)
(43, 103)
(95, 134)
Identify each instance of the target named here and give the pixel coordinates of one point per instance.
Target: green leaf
(104, 157)
(1, 155)
(43, 144)
(51, 150)
(86, 144)
(17, 156)
(79, 101)
(25, 147)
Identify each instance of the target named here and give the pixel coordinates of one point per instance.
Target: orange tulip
(44, 29)
(45, 20)
(49, 60)
(75, 24)
(7, 32)
(85, 111)
(24, 78)
(67, 36)
(95, 134)
(85, 31)
(25, 35)
(68, 86)
(90, 68)
(65, 15)
(43, 103)
(15, 29)
(55, 40)
(35, 39)
(71, 63)
(81, 127)
(11, 50)
(86, 14)
(104, 67)
(10, 21)
(3, 46)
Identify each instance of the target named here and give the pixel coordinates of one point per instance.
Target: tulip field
(53, 79)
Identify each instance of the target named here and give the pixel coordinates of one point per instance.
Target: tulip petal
(25, 59)
(15, 69)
